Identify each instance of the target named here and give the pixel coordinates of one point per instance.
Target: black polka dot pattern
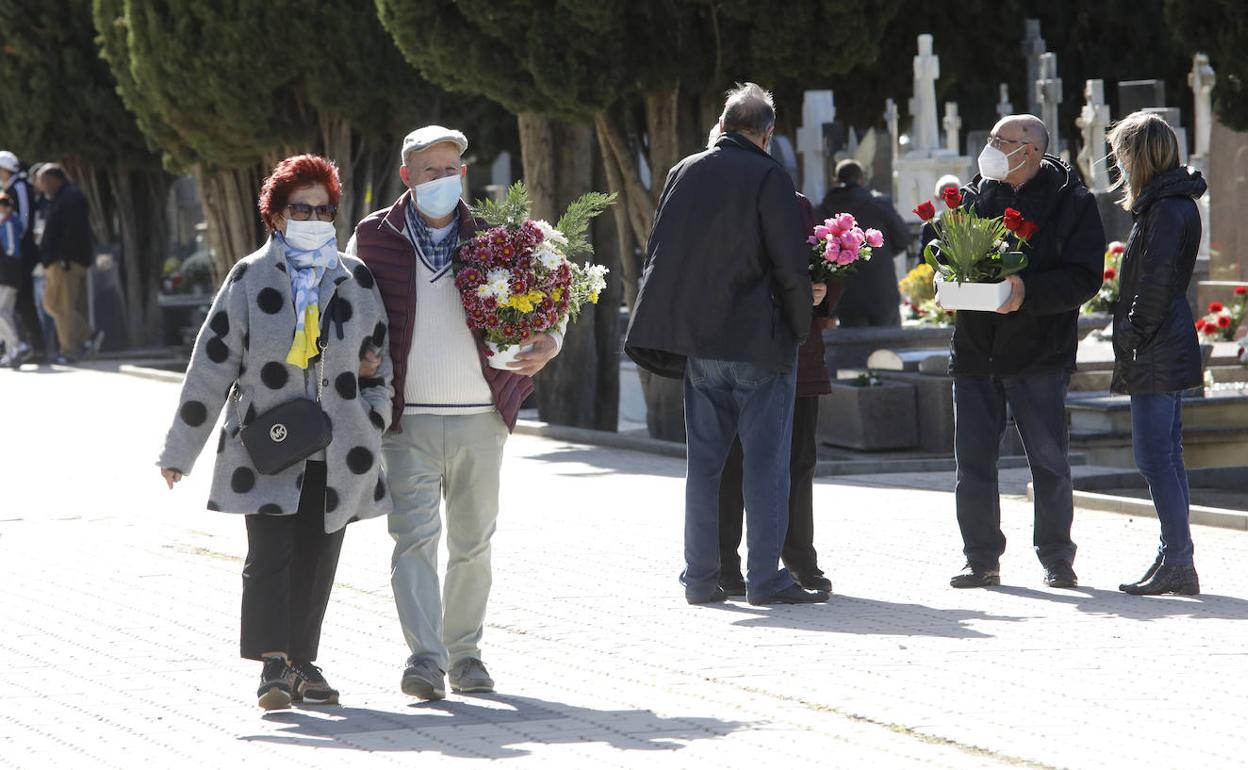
(365, 346)
(379, 491)
(242, 480)
(269, 300)
(345, 385)
(239, 270)
(363, 277)
(274, 375)
(270, 508)
(331, 499)
(360, 460)
(217, 350)
(345, 311)
(193, 413)
(377, 420)
(379, 334)
(220, 324)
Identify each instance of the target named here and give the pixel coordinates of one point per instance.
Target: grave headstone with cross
(818, 112)
(1033, 48)
(1092, 121)
(1048, 91)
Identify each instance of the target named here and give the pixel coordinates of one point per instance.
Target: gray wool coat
(244, 343)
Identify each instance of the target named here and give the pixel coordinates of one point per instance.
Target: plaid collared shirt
(436, 256)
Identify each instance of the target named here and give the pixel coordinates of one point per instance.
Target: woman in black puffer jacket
(1155, 348)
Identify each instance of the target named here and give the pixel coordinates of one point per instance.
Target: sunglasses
(302, 212)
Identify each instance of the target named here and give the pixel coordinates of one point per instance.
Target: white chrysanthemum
(499, 281)
(484, 290)
(549, 233)
(550, 259)
(597, 277)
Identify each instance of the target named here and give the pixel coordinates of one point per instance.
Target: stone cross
(925, 136)
(1201, 80)
(1048, 92)
(1003, 102)
(891, 116)
(1033, 49)
(818, 108)
(952, 124)
(1092, 121)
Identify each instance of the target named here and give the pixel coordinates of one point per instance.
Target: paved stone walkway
(120, 599)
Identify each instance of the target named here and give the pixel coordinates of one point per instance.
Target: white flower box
(505, 355)
(971, 296)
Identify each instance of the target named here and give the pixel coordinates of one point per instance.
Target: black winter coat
(871, 296)
(727, 266)
(67, 235)
(1155, 345)
(1065, 269)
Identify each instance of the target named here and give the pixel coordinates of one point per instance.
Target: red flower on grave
(925, 210)
(1200, 324)
(1224, 321)
(1216, 307)
(1241, 290)
(1110, 273)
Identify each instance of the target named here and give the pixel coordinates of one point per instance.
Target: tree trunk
(338, 142)
(228, 197)
(144, 234)
(581, 385)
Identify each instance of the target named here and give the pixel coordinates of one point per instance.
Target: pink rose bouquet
(838, 245)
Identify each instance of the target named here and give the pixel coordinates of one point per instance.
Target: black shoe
(1147, 575)
(1060, 575)
(92, 345)
(974, 576)
(795, 595)
(733, 586)
(276, 681)
(310, 685)
(716, 597)
(1168, 579)
(814, 581)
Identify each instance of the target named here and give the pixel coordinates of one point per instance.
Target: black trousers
(799, 549)
(288, 575)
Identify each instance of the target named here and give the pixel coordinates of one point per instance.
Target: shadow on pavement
(857, 615)
(486, 726)
(612, 461)
(1098, 601)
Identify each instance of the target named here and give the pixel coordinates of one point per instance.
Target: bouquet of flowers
(838, 245)
(1107, 298)
(1221, 323)
(918, 292)
(517, 278)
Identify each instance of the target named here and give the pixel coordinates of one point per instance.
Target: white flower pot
(971, 296)
(506, 354)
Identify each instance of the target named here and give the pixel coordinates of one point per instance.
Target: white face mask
(995, 165)
(438, 198)
(310, 235)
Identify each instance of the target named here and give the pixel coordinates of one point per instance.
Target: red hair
(291, 174)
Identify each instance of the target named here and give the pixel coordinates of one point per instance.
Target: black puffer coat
(1155, 346)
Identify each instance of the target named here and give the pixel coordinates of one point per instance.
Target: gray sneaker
(423, 679)
(469, 675)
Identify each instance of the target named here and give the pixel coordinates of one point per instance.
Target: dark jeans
(724, 399)
(288, 575)
(1038, 403)
(799, 549)
(1157, 438)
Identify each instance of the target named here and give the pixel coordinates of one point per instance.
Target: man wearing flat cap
(452, 415)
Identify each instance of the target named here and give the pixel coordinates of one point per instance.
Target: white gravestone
(891, 116)
(1004, 107)
(1048, 90)
(1093, 119)
(952, 125)
(924, 135)
(1033, 48)
(1201, 80)
(818, 108)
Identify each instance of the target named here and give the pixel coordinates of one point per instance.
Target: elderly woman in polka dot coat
(284, 314)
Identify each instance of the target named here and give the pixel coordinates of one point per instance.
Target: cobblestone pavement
(120, 604)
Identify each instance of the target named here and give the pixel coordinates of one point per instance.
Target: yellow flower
(556, 295)
(593, 297)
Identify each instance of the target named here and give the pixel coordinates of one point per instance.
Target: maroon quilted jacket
(380, 242)
(812, 371)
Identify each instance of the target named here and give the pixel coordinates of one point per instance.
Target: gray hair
(748, 108)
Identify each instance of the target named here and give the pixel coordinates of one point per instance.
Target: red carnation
(1012, 219)
(1200, 324)
(1241, 290)
(952, 197)
(1110, 273)
(1215, 307)
(1224, 321)
(925, 210)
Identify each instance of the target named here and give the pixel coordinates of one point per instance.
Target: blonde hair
(1147, 146)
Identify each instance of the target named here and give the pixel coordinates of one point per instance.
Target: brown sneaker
(310, 685)
(276, 684)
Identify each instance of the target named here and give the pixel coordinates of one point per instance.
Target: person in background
(38, 223)
(1156, 353)
(23, 188)
(946, 182)
(15, 348)
(65, 253)
(871, 296)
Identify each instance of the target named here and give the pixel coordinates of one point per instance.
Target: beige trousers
(62, 298)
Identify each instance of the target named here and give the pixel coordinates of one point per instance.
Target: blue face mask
(438, 198)
(1122, 172)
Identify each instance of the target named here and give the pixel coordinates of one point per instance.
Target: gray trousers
(456, 458)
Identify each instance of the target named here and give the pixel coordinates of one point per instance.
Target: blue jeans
(1157, 438)
(723, 400)
(1038, 403)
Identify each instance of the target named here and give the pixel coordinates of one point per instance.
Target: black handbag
(291, 432)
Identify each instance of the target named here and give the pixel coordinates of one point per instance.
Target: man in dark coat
(871, 296)
(725, 299)
(1022, 355)
(66, 253)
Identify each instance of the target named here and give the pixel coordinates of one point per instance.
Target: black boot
(1168, 579)
(1147, 575)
